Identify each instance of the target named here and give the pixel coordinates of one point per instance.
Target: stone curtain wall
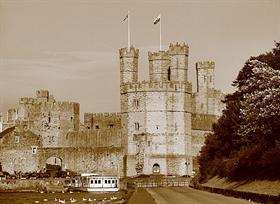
(16, 152)
(103, 121)
(101, 160)
(94, 138)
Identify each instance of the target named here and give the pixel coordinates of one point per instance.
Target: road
(180, 195)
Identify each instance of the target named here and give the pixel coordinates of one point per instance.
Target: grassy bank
(256, 186)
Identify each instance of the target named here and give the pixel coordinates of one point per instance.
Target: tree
(247, 135)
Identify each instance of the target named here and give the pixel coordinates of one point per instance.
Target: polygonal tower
(178, 62)
(156, 115)
(159, 66)
(205, 85)
(129, 64)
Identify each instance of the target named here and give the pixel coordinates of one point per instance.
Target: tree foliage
(245, 143)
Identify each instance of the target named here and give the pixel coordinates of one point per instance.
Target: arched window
(156, 168)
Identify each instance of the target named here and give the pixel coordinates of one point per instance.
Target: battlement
(67, 104)
(161, 55)
(205, 65)
(164, 86)
(42, 94)
(131, 52)
(27, 100)
(178, 49)
(102, 115)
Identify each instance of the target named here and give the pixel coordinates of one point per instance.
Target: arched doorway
(156, 168)
(53, 165)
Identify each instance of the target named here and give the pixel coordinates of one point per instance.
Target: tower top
(160, 55)
(178, 48)
(205, 65)
(129, 52)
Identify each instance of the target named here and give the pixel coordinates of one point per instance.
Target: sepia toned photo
(140, 102)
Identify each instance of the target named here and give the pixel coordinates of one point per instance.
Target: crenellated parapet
(205, 65)
(157, 86)
(27, 100)
(178, 49)
(102, 120)
(131, 52)
(161, 55)
(106, 115)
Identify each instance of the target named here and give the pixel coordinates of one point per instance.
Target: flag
(126, 17)
(157, 19)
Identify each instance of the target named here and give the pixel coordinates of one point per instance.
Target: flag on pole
(157, 19)
(126, 17)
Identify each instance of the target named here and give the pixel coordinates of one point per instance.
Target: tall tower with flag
(156, 114)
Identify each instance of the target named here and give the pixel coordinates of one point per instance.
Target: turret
(178, 61)
(205, 75)
(159, 66)
(129, 65)
(42, 95)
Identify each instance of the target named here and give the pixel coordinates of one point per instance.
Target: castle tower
(205, 83)
(159, 66)
(205, 75)
(42, 95)
(156, 117)
(129, 64)
(178, 62)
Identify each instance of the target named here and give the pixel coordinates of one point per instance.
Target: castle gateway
(160, 129)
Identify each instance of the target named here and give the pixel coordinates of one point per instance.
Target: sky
(71, 47)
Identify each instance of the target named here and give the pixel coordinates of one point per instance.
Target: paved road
(180, 195)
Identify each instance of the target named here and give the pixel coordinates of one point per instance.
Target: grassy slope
(257, 186)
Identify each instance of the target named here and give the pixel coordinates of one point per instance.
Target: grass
(255, 186)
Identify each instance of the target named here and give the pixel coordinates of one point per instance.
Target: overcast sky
(70, 47)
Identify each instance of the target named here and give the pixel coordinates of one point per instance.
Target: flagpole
(128, 30)
(160, 33)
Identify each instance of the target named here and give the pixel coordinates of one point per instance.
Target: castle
(160, 129)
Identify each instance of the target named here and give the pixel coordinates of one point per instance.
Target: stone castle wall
(102, 121)
(94, 138)
(48, 118)
(162, 122)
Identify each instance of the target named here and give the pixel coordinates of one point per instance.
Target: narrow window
(136, 103)
(168, 74)
(16, 139)
(49, 117)
(201, 106)
(95, 181)
(99, 181)
(34, 149)
(136, 126)
(105, 181)
(157, 127)
(109, 181)
(71, 118)
(91, 181)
